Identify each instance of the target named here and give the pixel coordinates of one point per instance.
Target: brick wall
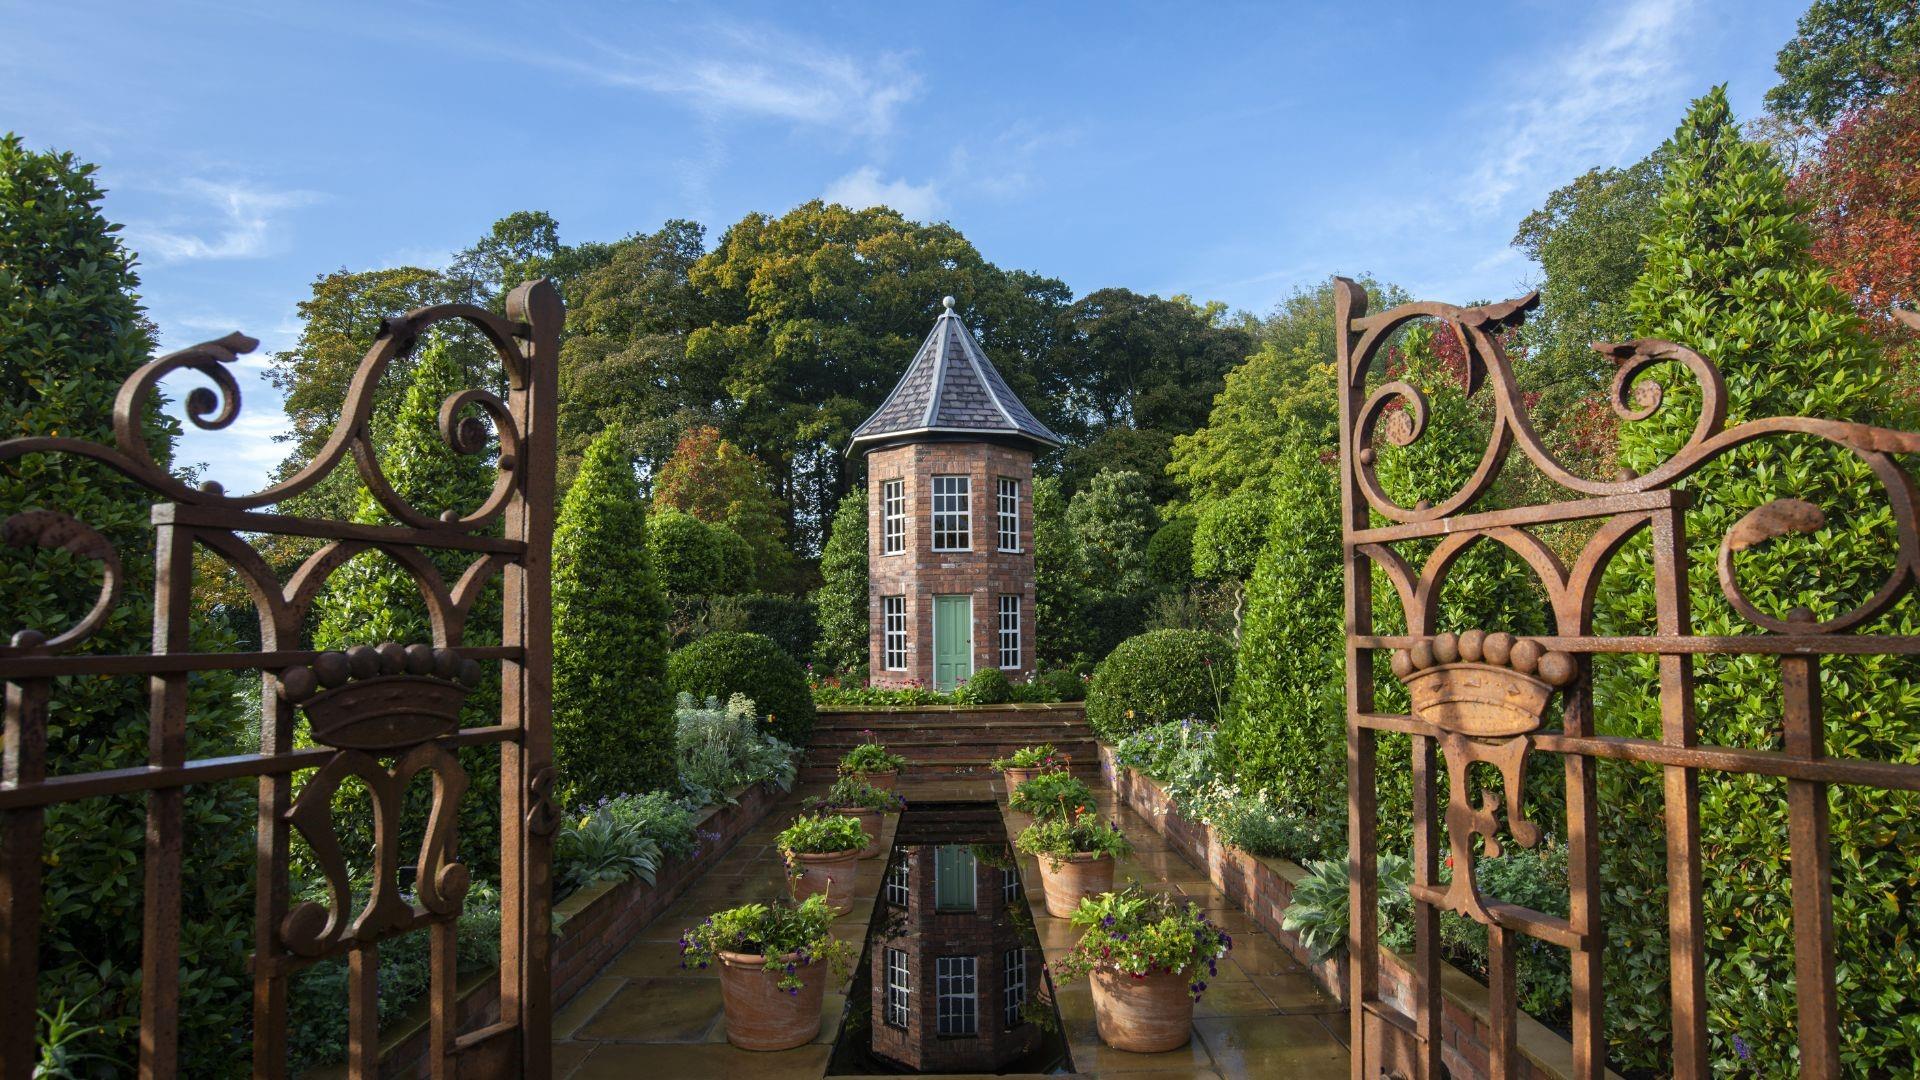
(920, 573)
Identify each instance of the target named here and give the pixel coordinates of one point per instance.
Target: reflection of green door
(952, 640)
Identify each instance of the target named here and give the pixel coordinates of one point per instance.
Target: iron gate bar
(1483, 697)
(417, 684)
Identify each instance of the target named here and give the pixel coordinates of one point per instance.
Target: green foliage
(70, 331)
(1230, 531)
(718, 749)
(1044, 688)
(1254, 824)
(723, 664)
(1059, 685)
(870, 757)
(1060, 837)
(1142, 362)
(1318, 911)
(1161, 676)
(1136, 932)
(841, 600)
(1112, 519)
(713, 479)
(821, 834)
(691, 558)
(1285, 731)
(1845, 54)
(1170, 555)
(791, 622)
(988, 686)
(802, 932)
(1059, 603)
(659, 815)
(1053, 794)
(601, 846)
(855, 793)
(1728, 274)
(612, 710)
(1045, 756)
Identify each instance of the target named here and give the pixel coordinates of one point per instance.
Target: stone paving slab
(645, 1016)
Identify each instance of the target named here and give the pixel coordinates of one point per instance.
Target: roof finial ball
(947, 302)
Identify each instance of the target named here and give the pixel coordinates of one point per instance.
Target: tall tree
(842, 596)
(1863, 198)
(1729, 273)
(613, 724)
(1059, 603)
(710, 478)
(1845, 54)
(813, 316)
(71, 330)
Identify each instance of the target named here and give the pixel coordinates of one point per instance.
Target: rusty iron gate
(383, 713)
(1483, 698)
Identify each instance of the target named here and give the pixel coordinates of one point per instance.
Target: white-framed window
(1009, 630)
(899, 988)
(958, 1007)
(953, 513)
(893, 633)
(893, 517)
(897, 882)
(1009, 885)
(1015, 986)
(1007, 503)
(953, 874)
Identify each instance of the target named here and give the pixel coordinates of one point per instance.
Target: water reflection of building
(953, 957)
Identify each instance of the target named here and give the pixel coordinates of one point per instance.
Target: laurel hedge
(1160, 676)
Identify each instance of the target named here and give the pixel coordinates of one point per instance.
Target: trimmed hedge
(791, 621)
(988, 686)
(727, 663)
(1170, 554)
(1158, 677)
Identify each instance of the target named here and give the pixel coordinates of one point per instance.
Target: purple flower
(1740, 1047)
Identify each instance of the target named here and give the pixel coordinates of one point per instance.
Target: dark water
(951, 979)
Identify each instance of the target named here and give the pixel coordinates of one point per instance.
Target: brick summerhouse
(950, 517)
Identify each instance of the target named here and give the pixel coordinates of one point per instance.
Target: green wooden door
(952, 640)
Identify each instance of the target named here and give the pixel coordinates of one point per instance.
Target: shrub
(841, 600)
(612, 710)
(660, 817)
(988, 686)
(601, 846)
(1318, 912)
(1112, 519)
(718, 749)
(1136, 932)
(1045, 756)
(790, 621)
(821, 834)
(1254, 825)
(803, 931)
(721, 665)
(1229, 532)
(1170, 555)
(1055, 794)
(1058, 598)
(1156, 677)
(1059, 838)
(1063, 685)
(1285, 730)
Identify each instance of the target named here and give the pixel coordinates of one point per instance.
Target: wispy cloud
(1584, 105)
(863, 187)
(225, 220)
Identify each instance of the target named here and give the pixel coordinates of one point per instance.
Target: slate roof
(951, 387)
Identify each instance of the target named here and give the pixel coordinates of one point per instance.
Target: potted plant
(872, 762)
(853, 797)
(820, 851)
(774, 963)
(1054, 794)
(1030, 761)
(1076, 856)
(1148, 956)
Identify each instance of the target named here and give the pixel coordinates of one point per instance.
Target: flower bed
(591, 927)
(1263, 887)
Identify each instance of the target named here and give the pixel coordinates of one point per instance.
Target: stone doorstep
(403, 1046)
(1463, 996)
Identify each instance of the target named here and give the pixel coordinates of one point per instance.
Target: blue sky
(1231, 152)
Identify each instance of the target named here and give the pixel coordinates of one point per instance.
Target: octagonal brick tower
(950, 517)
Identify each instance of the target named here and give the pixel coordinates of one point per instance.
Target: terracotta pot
(870, 822)
(1151, 1015)
(882, 780)
(760, 1015)
(1016, 777)
(831, 873)
(1076, 876)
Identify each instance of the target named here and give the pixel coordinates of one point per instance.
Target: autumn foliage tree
(712, 479)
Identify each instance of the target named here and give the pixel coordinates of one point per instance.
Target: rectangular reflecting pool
(951, 979)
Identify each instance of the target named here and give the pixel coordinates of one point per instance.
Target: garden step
(1016, 736)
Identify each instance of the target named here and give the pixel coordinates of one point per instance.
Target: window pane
(893, 506)
(894, 633)
(898, 988)
(954, 983)
(952, 513)
(1007, 506)
(1009, 638)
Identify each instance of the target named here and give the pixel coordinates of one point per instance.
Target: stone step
(984, 714)
(1012, 735)
(941, 768)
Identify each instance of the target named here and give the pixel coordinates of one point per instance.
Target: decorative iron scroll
(386, 714)
(1483, 699)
